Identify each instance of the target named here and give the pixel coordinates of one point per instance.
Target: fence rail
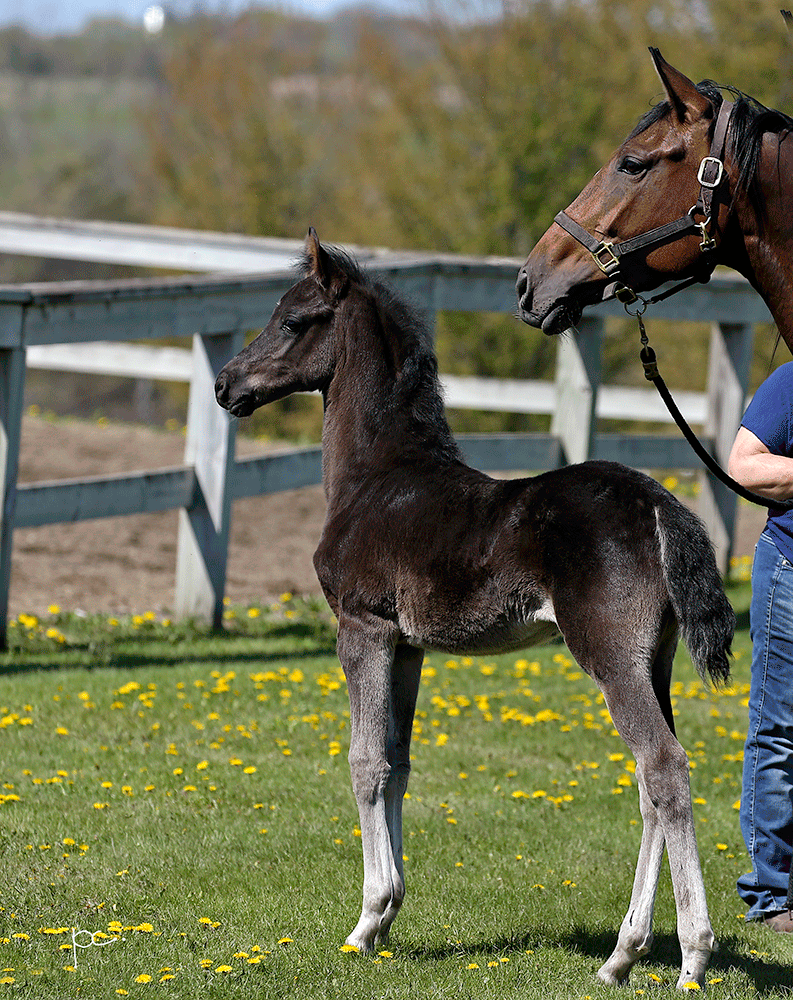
(96, 318)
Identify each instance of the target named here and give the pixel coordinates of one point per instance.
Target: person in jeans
(762, 460)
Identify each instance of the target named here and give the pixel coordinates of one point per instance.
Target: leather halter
(609, 257)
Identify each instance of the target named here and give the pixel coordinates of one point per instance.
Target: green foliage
(453, 132)
(186, 797)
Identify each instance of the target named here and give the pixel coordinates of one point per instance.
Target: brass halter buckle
(606, 259)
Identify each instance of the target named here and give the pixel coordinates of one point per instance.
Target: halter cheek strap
(609, 256)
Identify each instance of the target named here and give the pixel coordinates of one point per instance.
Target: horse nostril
(522, 285)
(222, 387)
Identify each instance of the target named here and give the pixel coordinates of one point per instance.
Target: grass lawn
(182, 801)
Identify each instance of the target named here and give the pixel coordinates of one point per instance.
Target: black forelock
(749, 122)
(406, 317)
(340, 258)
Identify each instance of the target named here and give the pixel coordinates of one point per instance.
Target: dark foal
(419, 551)
(700, 181)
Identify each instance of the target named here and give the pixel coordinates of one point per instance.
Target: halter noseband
(609, 256)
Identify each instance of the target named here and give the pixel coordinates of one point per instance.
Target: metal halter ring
(641, 305)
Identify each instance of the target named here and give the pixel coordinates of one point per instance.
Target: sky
(68, 16)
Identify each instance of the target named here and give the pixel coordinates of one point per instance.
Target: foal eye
(630, 165)
(293, 325)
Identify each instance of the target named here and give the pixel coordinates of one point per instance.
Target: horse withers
(419, 552)
(700, 181)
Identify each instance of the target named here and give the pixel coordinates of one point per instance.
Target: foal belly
(469, 634)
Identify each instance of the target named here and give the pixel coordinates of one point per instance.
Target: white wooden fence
(217, 312)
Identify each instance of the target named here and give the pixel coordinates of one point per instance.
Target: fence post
(728, 375)
(202, 546)
(12, 383)
(578, 367)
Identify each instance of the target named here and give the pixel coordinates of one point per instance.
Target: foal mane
(417, 394)
(750, 121)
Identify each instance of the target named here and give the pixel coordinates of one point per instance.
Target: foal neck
(383, 406)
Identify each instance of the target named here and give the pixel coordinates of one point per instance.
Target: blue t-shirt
(769, 417)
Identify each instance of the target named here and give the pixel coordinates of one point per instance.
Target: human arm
(756, 468)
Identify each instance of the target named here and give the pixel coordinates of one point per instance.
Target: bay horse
(700, 181)
(419, 551)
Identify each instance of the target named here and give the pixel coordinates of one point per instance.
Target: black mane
(750, 121)
(417, 391)
(412, 325)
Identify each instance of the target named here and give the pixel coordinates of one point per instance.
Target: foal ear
(322, 268)
(687, 102)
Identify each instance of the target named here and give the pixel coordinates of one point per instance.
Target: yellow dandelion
(348, 948)
(224, 968)
(144, 977)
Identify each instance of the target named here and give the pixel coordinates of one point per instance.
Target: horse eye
(630, 165)
(293, 325)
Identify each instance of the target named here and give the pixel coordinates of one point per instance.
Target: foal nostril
(222, 387)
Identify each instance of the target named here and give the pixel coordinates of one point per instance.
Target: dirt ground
(128, 564)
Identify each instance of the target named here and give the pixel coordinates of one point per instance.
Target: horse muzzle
(232, 395)
(555, 317)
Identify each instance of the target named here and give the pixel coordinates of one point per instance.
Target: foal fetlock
(375, 921)
(697, 950)
(629, 950)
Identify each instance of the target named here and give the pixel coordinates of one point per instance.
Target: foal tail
(704, 615)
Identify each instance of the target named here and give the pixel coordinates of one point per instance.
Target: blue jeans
(767, 794)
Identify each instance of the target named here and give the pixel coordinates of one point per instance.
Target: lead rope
(649, 361)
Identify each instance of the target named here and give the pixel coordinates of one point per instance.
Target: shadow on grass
(732, 955)
(207, 647)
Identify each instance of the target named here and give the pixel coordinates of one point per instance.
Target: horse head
(653, 179)
(294, 352)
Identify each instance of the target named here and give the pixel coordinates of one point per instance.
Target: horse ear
(322, 267)
(687, 102)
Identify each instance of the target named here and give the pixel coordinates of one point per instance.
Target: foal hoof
(610, 978)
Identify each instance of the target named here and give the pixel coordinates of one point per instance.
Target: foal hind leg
(636, 932)
(662, 768)
(367, 653)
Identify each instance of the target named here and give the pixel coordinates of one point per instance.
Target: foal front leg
(367, 651)
(405, 679)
